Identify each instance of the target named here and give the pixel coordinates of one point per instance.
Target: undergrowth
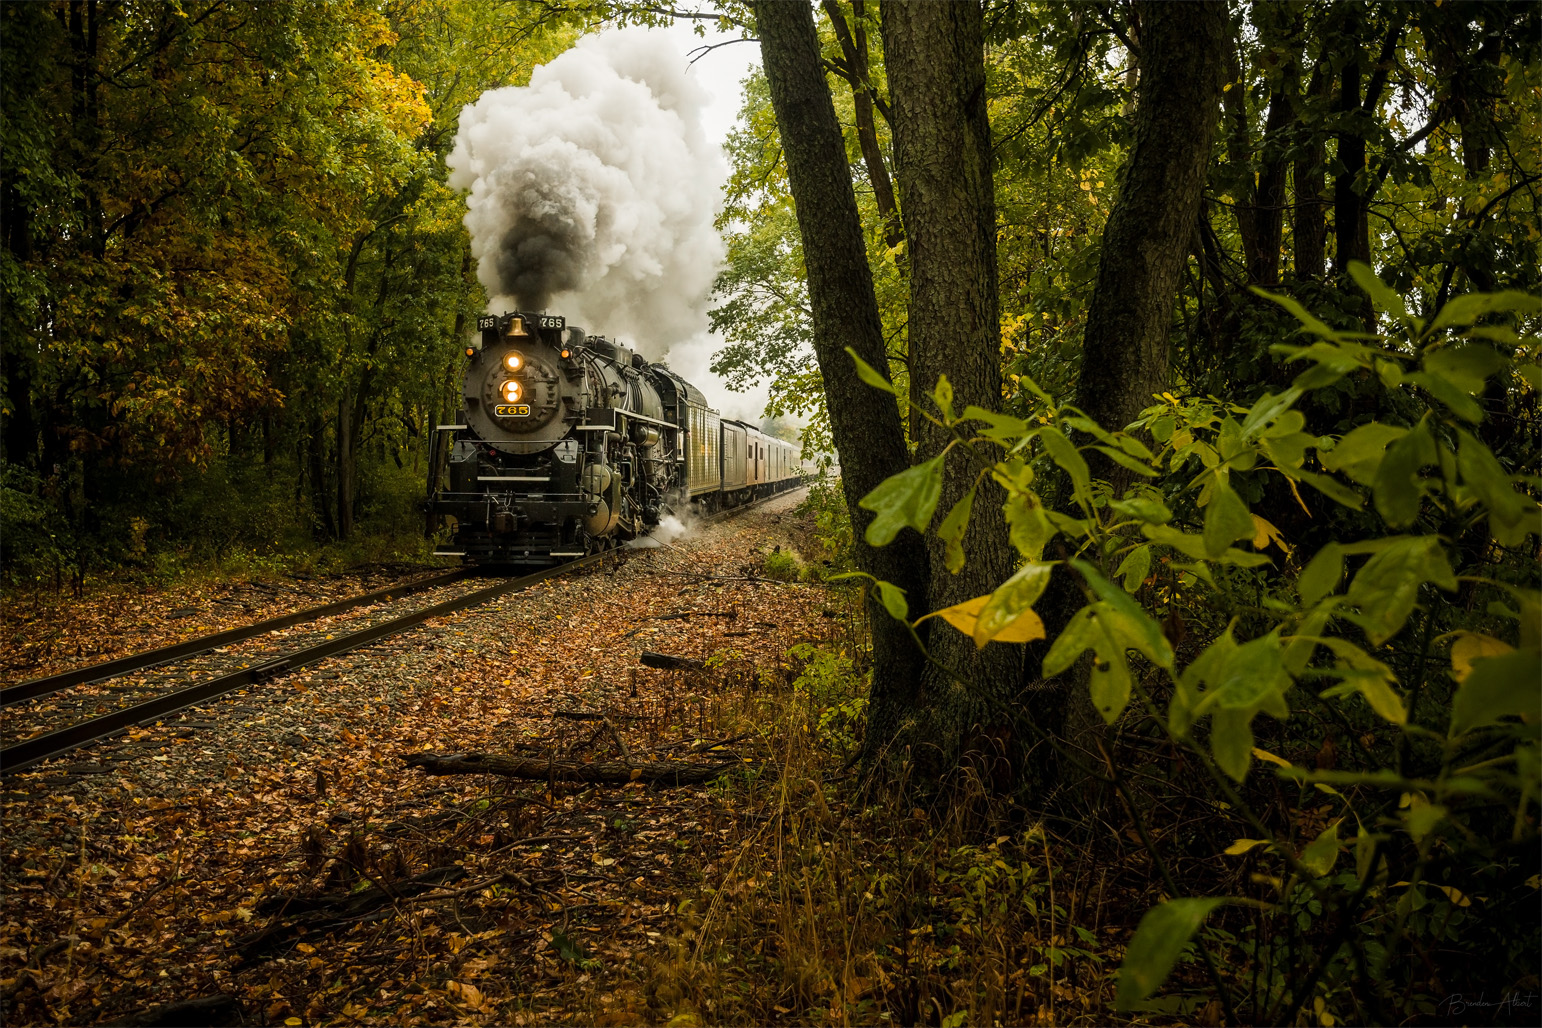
(844, 903)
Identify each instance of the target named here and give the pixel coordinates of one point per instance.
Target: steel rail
(25, 754)
(43, 686)
(29, 752)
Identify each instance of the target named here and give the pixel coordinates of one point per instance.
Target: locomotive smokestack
(593, 190)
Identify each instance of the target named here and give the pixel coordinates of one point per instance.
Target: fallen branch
(730, 615)
(593, 715)
(205, 1010)
(615, 772)
(667, 663)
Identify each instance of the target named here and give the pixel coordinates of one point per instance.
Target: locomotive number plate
(486, 321)
(512, 410)
(553, 321)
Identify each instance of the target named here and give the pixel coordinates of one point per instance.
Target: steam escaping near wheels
(594, 188)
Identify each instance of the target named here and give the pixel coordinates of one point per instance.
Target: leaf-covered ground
(272, 847)
(42, 633)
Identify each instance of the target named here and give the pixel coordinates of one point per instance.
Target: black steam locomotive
(570, 444)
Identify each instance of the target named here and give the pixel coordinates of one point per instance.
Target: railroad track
(28, 752)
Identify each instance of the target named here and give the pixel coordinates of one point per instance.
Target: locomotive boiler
(568, 444)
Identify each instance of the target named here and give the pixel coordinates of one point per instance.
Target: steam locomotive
(569, 444)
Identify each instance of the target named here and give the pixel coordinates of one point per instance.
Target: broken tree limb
(667, 663)
(614, 772)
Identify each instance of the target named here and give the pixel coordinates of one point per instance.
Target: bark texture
(864, 422)
(935, 59)
(1151, 225)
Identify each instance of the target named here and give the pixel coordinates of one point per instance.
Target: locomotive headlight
(511, 392)
(513, 362)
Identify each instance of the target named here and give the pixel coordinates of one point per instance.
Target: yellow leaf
(1241, 846)
(963, 616)
(305, 947)
(293, 1021)
(1264, 531)
(1026, 627)
(1271, 758)
(1455, 895)
(1471, 646)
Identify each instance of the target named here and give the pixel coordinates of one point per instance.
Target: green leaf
(866, 373)
(1143, 508)
(1109, 683)
(1422, 817)
(905, 500)
(1028, 525)
(1322, 852)
(1268, 408)
(1467, 366)
(1398, 488)
(1458, 402)
(1125, 460)
(1075, 639)
(1381, 294)
(1132, 625)
(1157, 945)
(1321, 575)
(1368, 676)
(1001, 428)
(1011, 599)
(1135, 567)
(943, 396)
(1331, 488)
(1359, 453)
(1248, 676)
(1226, 519)
(1511, 515)
(1231, 741)
(1498, 687)
(893, 599)
(1387, 587)
(1194, 546)
(951, 531)
(1301, 314)
(1464, 310)
(1063, 453)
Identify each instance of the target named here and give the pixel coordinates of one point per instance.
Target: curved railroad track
(103, 722)
(100, 709)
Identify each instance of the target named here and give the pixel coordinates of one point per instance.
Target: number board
(512, 410)
(486, 322)
(553, 321)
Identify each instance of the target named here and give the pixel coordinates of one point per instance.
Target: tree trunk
(346, 461)
(864, 422)
(1309, 226)
(935, 57)
(1151, 225)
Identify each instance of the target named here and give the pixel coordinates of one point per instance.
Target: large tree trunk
(1151, 225)
(935, 57)
(864, 422)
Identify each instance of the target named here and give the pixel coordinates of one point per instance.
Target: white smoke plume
(593, 191)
